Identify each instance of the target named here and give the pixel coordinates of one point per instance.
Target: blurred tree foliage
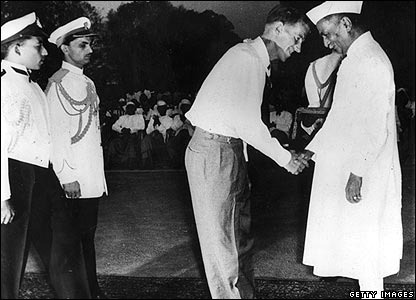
(161, 47)
(142, 45)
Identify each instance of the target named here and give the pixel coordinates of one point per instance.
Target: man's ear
(346, 22)
(279, 26)
(64, 48)
(16, 49)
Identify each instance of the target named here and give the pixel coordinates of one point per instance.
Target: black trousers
(85, 213)
(13, 235)
(47, 223)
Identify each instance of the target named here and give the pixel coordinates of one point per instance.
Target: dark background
(157, 46)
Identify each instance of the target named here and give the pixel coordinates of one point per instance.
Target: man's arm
(117, 126)
(7, 211)
(62, 157)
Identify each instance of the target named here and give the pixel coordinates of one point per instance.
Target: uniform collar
(261, 50)
(16, 68)
(72, 68)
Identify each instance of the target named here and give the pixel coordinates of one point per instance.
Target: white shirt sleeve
(118, 125)
(247, 85)
(5, 140)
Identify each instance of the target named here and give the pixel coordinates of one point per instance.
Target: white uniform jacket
(361, 240)
(24, 122)
(77, 154)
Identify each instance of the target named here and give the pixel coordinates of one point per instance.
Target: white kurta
(81, 161)
(357, 240)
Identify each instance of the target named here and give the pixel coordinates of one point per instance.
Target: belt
(216, 136)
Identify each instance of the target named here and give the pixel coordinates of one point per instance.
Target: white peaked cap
(26, 25)
(185, 101)
(79, 27)
(333, 7)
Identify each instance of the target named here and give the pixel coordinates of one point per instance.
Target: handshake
(299, 161)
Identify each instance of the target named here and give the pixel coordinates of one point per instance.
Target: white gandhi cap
(78, 28)
(27, 25)
(333, 7)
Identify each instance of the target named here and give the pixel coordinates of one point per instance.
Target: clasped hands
(298, 161)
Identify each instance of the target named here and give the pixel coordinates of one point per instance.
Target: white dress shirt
(229, 101)
(133, 122)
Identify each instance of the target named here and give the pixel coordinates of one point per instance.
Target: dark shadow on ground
(35, 286)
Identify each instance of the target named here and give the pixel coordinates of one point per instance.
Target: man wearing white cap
(227, 116)
(159, 130)
(131, 128)
(354, 224)
(77, 154)
(183, 133)
(27, 179)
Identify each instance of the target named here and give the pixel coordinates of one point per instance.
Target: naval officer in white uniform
(77, 154)
(31, 200)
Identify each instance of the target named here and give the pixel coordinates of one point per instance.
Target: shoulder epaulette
(3, 71)
(56, 78)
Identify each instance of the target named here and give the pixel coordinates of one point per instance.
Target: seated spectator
(280, 124)
(130, 122)
(125, 146)
(159, 130)
(183, 133)
(121, 109)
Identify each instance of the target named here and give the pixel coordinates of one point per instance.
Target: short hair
(286, 15)
(5, 47)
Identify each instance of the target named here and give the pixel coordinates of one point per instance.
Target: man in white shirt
(183, 133)
(354, 226)
(130, 122)
(131, 128)
(227, 116)
(30, 189)
(77, 154)
(159, 131)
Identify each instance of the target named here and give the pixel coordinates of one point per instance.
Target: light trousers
(218, 181)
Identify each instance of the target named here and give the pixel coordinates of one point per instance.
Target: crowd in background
(148, 129)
